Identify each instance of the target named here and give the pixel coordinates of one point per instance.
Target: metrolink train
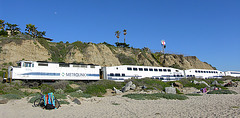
(41, 71)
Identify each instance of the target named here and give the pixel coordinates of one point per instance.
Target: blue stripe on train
(42, 74)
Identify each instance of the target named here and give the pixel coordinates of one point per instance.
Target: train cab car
(40, 70)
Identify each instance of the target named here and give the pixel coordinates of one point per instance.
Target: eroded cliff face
(27, 50)
(188, 62)
(99, 54)
(93, 54)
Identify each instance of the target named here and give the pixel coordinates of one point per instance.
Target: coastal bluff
(103, 54)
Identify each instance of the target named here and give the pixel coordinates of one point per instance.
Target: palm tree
(2, 25)
(32, 30)
(13, 28)
(124, 32)
(41, 34)
(28, 28)
(117, 33)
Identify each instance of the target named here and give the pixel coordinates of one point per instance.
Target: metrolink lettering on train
(75, 74)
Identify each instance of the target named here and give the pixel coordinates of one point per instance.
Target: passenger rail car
(29, 70)
(203, 73)
(232, 73)
(121, 73)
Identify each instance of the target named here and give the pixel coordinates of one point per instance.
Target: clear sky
(208, 29)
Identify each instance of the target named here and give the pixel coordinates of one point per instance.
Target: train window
(160, 70)
(129, 68)
(117, 74)
(145, 69)
(32, 65)
(19, 64)
(155, 69)
(196, 71)
(42, 64)
(169, 70)
(83, 66)
(140, 69)
(123, 74)
(150, 69)
(201, 71)
(64, 65)
(164, 70)
(177, 70)
(135, 69)
(76, 65)
(111, 74)
(27, 64)
(92, 66)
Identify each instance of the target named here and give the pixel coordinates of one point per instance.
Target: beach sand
(117, 106)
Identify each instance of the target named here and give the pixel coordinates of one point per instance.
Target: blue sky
(208, 29)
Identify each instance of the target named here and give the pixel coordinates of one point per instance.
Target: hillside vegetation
(24, 47)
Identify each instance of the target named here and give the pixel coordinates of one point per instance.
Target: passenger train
(41, 71)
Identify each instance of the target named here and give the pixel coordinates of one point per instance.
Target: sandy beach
(118, 106)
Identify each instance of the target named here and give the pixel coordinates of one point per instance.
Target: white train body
(232, 73)
(204, 73)
(28, 70)
(121, 73)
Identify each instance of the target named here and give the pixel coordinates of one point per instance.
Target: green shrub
(60, 84)
(236, 79)
(178, 92)
(60, 96)
(2, 92)
(77, 94)
(222, 87)
(155, 96)
(126, 60)
(222, 92)
(47, 88)
(63, 102)
(12, 96)
(99, 88)
(197, 86)
(96, 90)
(3, 33)
(69, 89)
(36, 96)
(193, 94)
(152, 84)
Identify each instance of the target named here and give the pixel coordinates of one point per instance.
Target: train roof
(58, 63)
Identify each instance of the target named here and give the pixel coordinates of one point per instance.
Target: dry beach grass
(208, 105)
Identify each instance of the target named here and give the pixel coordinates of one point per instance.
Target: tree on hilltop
(13, 28)
(125, 33)
(32, 30)
(117, 34)
(2, 25)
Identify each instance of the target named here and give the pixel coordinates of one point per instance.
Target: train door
(9, 75)
(101, 73)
